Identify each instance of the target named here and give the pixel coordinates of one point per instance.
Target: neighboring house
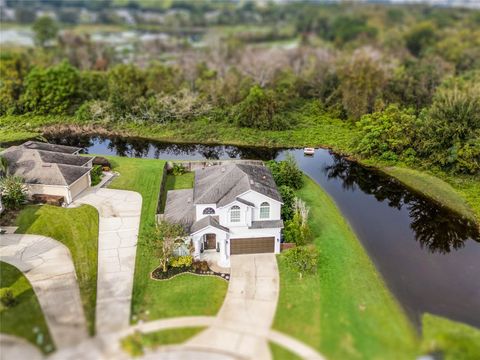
(232, 209)
(50, 169)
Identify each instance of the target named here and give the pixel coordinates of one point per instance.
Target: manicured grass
(433, 188)
(176, 182)
(183, 295)
(345, 310)
(280, 353)
(454, 340)
(25, 319)
(135, 344)
(158, 299)
(77, 228)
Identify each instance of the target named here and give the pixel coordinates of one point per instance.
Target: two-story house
(232, 209)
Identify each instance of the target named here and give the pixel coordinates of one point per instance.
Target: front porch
(212, 245)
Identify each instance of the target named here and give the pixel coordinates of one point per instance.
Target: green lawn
(345, 310)
(176, 182)
(25, 319)
(280, 353)
(135, 344)
(453, 339)
(434, 188)
(158, 299)
(77, 228)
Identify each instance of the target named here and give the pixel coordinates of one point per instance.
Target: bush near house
(96, 174)
(302, 259)
(7, 298)
(286, 172)
(13, 191)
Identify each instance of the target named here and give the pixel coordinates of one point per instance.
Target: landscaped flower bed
(197, 268)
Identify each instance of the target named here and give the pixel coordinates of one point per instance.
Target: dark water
(429, 257)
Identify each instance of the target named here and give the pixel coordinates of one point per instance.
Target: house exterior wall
(80, 185)
(257, 198)
(49, 190)
(199, 210)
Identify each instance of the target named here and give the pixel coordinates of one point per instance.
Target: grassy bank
(454, 340)
(25, 319)
(158, 299)
(345, 310)
(77, 229)
(280, 353)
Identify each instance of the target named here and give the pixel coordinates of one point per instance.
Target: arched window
(235, 214)
(264, 210)
(208, 211)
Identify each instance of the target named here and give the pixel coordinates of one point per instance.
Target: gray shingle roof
(207, 221)
(61, 158)
(267, 224)
(42, 167)
(37, 145)
(221, 184)
(179, 208)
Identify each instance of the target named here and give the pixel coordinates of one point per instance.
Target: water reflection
(133, 147)
(435, 227)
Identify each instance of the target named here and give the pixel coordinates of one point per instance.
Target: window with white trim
(235, 214)
(208, 211)
(265, 210)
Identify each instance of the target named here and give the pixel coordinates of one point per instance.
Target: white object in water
(309, 151)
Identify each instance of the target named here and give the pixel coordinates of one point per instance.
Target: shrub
(182, 261)
(178, 169)
(200, 266)
(96, 174)
(288, 198)
(7, 298)
(297, 230)
(302, 259)
(52, 91)
(13, 191)
(286, 172)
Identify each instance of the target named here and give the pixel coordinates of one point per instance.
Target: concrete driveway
(48, 266)
(119, 222)
(243, 323)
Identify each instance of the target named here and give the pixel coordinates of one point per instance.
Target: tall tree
(45, 29)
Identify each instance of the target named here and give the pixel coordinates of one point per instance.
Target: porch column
(224, 260)
(197, 244)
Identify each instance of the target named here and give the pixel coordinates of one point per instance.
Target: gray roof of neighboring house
(267, 224)
(207, 221)
(38, 167)
(179, 208)
(221, 184)
(37, 145)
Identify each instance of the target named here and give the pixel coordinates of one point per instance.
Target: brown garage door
(252, 245)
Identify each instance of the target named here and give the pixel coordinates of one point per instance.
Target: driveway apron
(119, 221)
(243, 323)
(48, 266)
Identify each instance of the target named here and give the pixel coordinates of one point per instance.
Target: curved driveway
(48, 266)
(119, 220)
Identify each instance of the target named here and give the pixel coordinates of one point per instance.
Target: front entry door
(210, 242)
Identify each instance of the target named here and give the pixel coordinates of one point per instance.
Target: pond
(428, 256)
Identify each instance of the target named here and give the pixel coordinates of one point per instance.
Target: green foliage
(7, 298)
(13, 69)
(45, 29)
(388, 133)
(178, 169)
(181, 261)
(3, 166)
(96, 174)
(13, 191)
(297, 230)
(286, 172)
(451, 130)
(348, 28)
(163, 240)
(420, 37)
(288, 198)
(54, 90)
(133, 344)
(126, 85)
(259, 110)
(302, 259)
